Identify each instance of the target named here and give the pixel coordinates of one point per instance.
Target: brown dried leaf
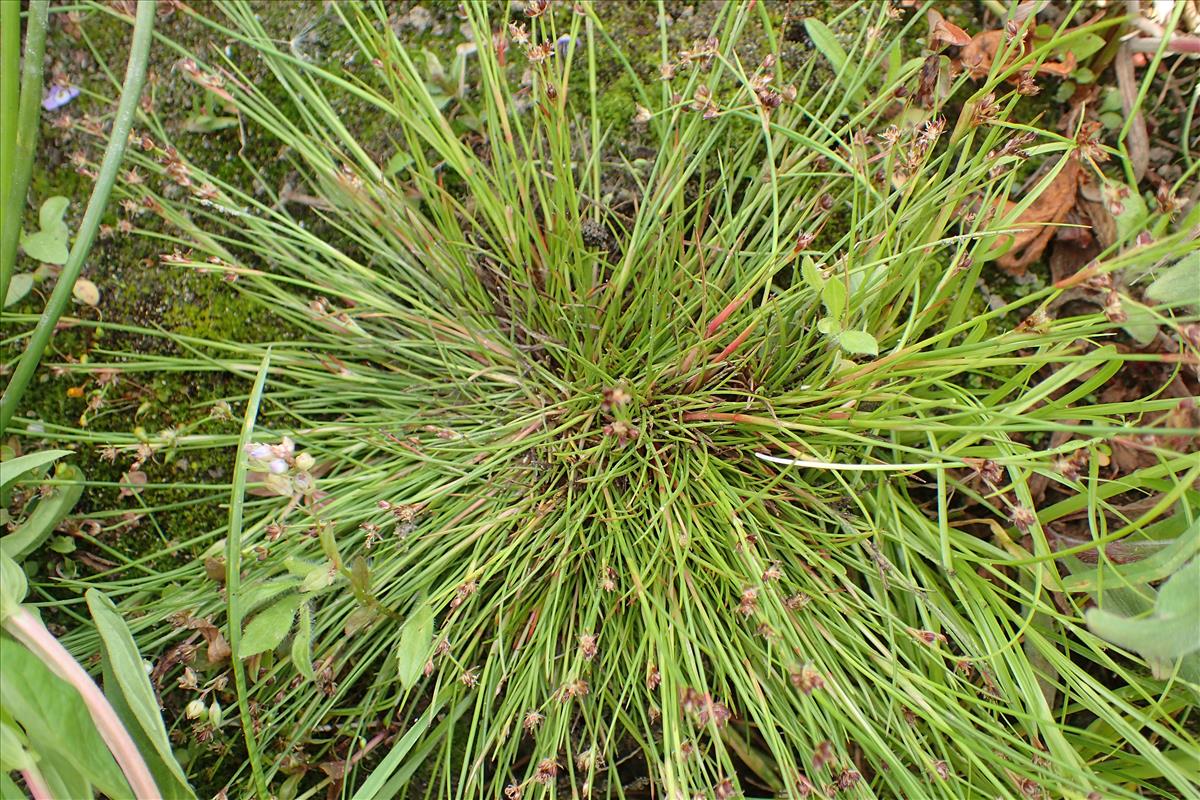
(942, 32)
(1050, 209)
(978, 54)
(1138, 140)
(132, 482)
(218, 648)
(214, 568)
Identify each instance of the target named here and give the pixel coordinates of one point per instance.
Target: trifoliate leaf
(49, 245)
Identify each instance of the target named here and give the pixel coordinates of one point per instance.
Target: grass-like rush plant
(725, 488)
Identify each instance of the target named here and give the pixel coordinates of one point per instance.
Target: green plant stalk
(31, 633)
(131, 92)
(10, 49)
(233, 566)
(24, 138)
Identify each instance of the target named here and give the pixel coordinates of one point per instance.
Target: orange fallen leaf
(1048, 210)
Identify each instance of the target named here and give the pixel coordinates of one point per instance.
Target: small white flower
(278, 466)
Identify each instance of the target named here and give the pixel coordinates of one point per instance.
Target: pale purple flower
(57, 96)
(256, 451)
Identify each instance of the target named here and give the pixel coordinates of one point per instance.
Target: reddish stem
(31, 633)
(734, 345)
(724, 315)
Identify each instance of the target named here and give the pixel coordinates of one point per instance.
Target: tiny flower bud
(256, 451)
(305, 462)
(194, 709)
(214, 714)
(304, 483)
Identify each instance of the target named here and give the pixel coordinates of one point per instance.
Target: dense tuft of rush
(720, 489)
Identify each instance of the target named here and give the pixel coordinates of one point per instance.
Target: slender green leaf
(129, 691)
(825, 41)
(302, 644)
(51, 509)
(371, 787)
(415, 641)
(13, 585)
(13, 468)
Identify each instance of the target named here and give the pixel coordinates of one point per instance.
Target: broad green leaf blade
(1086, 46)
(833, 294)
(129, 690)
(1178, 285)
(43, 247)
(49, 245)
(302, 644)
(13, 586)
(829, 326)
(50, 215)
(50, 510)
(859, 342)
(62, 777)
(13, 753)
(19, 286)
(1179, 598)
(1139, 321)
(415, 639)
(268, 628)
(14, 468)
(55, 718)
(258, 595)
(318, 578)
(1153, 567)
(1152, 637)
(812, 274)
(1170, 631)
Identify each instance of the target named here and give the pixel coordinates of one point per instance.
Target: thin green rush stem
(233, 567)
(131, 92)
(10, 69)
(27, 121)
